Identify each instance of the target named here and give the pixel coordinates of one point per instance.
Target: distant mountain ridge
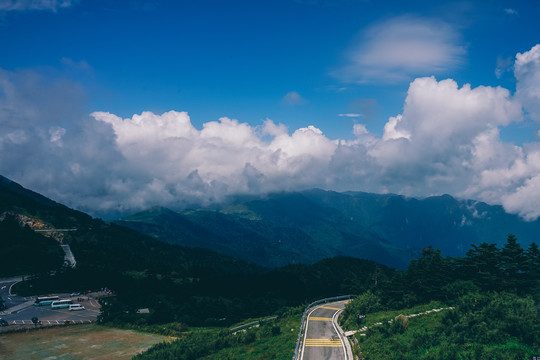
(304, 227)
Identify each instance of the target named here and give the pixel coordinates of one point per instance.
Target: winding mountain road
(322, 339)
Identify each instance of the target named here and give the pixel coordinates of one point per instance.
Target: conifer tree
(532, 267)
(513, 263)
(483, 266)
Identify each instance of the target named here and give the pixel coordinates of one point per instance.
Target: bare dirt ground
(75, 343)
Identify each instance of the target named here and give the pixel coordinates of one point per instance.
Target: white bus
(45, 300)
(60, 304)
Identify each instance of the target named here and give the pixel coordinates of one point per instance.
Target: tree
(427, 275)
(532, 267)
(482, 266)
(361, 305)
(513, 264)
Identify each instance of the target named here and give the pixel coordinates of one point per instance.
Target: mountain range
(177, 283)
(307, 226)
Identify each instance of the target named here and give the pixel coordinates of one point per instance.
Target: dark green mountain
(94, 243)
(443, 222)
(178, 284)
(282, 229)
(308, 226)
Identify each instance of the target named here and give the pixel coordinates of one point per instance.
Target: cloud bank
(446, 140)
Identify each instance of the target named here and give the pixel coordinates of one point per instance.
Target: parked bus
(45, 300)
(60, 304)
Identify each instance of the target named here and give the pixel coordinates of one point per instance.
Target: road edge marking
(339, 333)
(305, 333)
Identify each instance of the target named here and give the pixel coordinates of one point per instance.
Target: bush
(400, 324)
(362, 305)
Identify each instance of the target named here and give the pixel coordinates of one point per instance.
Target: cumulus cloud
(527, 73)
(22, 5)
(400, 48)
(446, 140)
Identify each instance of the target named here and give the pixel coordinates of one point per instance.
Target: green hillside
(291, 228)
(283, 229)
(184, 284)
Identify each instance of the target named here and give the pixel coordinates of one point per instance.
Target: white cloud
(400, 48)
(390, 132)
(351, 115)
(524, 201)
(446, 140)
(360, 129)
(293, 98)
(22, 5)
(527, 73)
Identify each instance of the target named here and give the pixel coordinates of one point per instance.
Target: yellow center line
(329, 307)
(320, 318)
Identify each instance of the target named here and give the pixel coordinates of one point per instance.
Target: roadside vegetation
(274, 339)
(492, 326)
(494, 295)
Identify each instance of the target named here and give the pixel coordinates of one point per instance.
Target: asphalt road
(20, 310)
(5, 285)
(322, 340)
(50, 316)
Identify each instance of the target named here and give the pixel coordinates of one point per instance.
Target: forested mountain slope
(305, 227)
(186, 284)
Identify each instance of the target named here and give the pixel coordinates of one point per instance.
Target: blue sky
(338, 71)
(240, 58)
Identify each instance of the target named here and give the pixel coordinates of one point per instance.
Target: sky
(112, 107)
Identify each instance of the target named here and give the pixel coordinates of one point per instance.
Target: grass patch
(272, 339)
(267, 345)
(76, 342)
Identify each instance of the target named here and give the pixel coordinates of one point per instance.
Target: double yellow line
(323, 342)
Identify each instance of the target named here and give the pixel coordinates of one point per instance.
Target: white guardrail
(253, 323)
(303, 322)
(49, 322)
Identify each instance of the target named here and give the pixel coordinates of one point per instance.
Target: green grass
(266, 346)
(426, 337)
(272, 339)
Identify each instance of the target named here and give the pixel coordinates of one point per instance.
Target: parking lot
(21, 310)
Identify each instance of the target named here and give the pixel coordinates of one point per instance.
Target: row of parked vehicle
(56, 303)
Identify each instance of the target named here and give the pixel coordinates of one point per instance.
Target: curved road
(321, 338)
